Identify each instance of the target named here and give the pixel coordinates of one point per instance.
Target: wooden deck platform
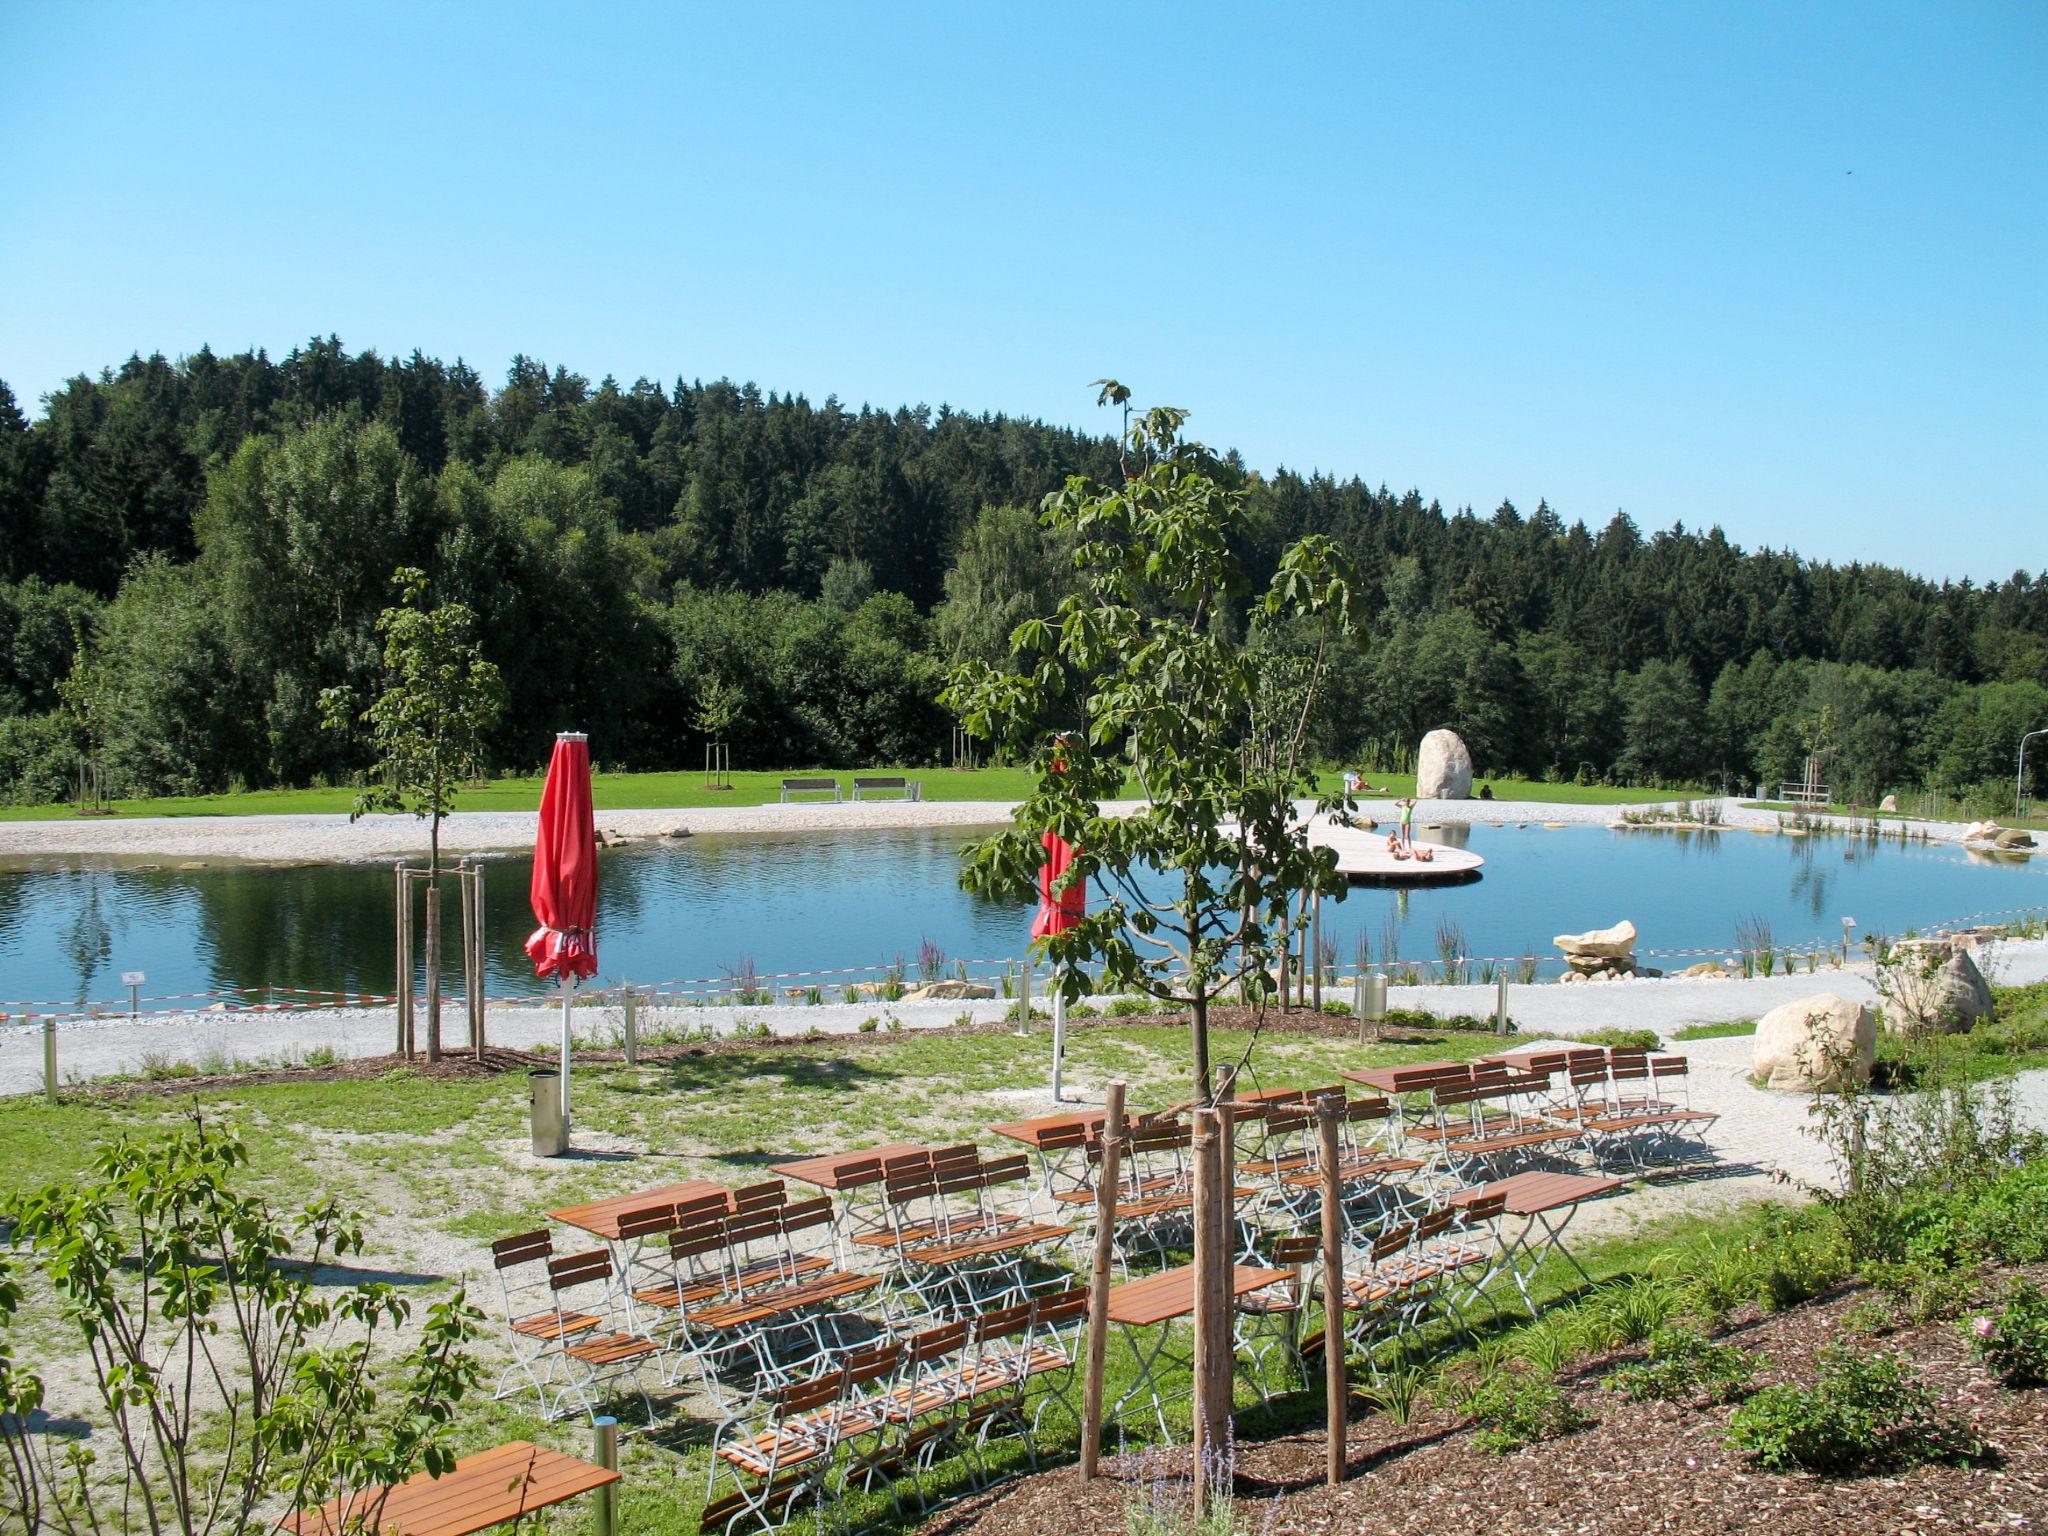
(1362, 855)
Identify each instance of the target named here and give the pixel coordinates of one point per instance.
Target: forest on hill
(192, 550)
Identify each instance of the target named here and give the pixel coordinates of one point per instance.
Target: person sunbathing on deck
(1422, 853)
(1394, 847)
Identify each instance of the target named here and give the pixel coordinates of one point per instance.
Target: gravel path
(89, 1049)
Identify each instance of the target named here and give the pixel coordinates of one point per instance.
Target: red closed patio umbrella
(564, 891)
(1057, 912)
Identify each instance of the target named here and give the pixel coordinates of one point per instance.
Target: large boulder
(2014, 837)
(1982, 832)
(1818, 1043)
(1889, 804)
(1616, 943)
(1443, 767)
(1934, 996)
(949, 991)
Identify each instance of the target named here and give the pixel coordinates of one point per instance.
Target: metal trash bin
(550, 1126)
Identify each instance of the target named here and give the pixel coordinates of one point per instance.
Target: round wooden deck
(1363, 856)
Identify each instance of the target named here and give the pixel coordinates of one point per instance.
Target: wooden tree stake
(1108, 1172)
(1214, 1373)
(1335, 1386)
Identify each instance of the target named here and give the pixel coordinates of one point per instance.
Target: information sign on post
(133, 981)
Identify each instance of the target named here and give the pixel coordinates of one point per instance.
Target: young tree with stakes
(1135, 676)
(429, 728)
(225, 1377)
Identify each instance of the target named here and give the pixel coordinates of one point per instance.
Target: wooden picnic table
(825, 1169)
(1546, 1203)
(1033, 1132)
(1533, 1193)
(1170, 1294)
(1391, 1079)
(478, 1492)
(601, 1217)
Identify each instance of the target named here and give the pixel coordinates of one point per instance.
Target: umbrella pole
(1059, 1031)
(568, 985)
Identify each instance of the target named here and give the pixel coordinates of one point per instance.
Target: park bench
(493, 1487)
(823, 786)
(867, 787)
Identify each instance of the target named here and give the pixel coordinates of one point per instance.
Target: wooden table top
(1390, 1079)
(478, 1492)
(1531, 1194)
(825, 1169)
(1519, 1060)
(1170, 1294)
(1032, 1132)
(602, 1216)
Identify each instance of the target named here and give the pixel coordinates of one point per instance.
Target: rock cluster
(1599, 954)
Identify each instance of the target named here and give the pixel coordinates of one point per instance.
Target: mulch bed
(1640, 1467)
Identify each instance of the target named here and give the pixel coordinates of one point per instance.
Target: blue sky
(1784, 268)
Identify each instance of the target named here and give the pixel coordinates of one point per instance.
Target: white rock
(948, 990)
(1889, 803)
(1443, 767)
(1616, 943)
(1819, 1042)
(1930, 995)
(1981, 832)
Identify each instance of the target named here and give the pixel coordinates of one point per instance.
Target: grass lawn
(686, 791)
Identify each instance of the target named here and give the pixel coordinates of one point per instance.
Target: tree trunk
(1198, 1026)
(434, 943)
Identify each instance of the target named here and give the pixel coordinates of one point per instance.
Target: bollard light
(1371, 1001)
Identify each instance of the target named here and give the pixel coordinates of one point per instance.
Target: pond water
(824, 900)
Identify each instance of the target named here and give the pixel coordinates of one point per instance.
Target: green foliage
(1686, 1366)
(1782, 1258)
(1627, 1312)
(1863, 1413)
(2015, 1342)
(1516, 1407)
(177, 1284)
(1716, 1031)
(429, 725)
(553, 505)
(1137, 674)
(1624, 1039)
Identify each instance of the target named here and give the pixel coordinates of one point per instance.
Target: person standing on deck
(1408, 821)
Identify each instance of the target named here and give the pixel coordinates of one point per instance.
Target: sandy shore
(335, 839)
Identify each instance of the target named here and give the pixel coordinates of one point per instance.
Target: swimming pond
(855, 901)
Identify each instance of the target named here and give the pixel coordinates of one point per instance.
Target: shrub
(1685, 1366)
(1516, 1408)
(1626, 1313)
(2015, 1343)
(1863, 1413)
(1625, 1039)
(1787, 1258)
(1127, 1007)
